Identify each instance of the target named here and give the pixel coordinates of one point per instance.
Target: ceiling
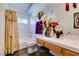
(47, 7)
(20, 7)
(31, 8)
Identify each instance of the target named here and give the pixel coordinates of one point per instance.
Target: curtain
(11, 32)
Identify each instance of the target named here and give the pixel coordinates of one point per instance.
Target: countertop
(70, 42)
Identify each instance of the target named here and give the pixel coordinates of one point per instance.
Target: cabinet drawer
(53, 47)
(39, 41)
(70, 53)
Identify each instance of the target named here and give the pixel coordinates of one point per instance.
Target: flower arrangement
(49, 25)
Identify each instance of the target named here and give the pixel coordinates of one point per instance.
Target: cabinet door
(39, 41)
(70, 53)
(53, 47)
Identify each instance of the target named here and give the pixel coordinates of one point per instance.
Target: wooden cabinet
(69, 53)
(53, 48)
(56, 49)
(39, 41)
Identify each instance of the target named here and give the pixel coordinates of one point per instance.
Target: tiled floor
(39, 52)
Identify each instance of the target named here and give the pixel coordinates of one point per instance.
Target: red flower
(53, 23)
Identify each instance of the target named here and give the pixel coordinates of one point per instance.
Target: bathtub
(24, 43)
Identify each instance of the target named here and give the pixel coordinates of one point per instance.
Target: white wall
(50, 11)
(67, 18)
(2, 28)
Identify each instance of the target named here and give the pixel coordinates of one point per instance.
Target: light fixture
(67, 6)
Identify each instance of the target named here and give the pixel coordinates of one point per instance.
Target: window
(22, 20)
(33, 21)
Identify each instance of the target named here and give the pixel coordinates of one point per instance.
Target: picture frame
(76, 20)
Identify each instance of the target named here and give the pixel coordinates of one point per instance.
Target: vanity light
(67, 6)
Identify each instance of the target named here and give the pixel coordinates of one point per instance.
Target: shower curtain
(11, 32)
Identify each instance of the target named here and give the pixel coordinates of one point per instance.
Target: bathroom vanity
(65, 46)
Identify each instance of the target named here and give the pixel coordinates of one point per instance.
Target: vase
(57, 34)
(54, 29)
(48, 32)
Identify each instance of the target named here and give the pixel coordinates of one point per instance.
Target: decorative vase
(57, 34)
(54, 29)
(48, 32)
